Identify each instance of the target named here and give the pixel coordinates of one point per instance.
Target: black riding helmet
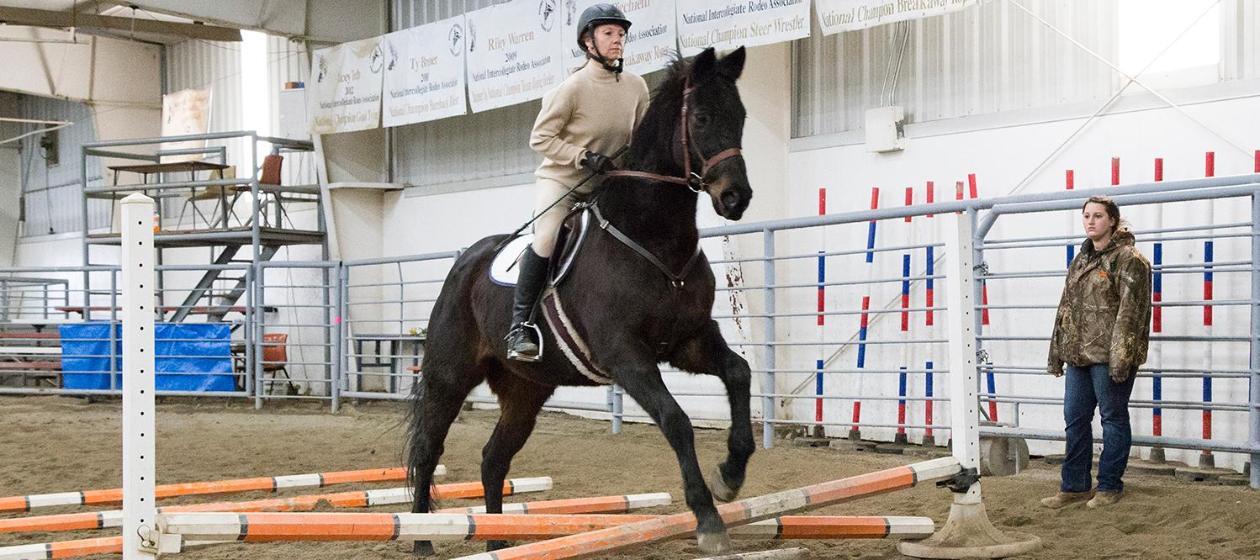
(595, 16)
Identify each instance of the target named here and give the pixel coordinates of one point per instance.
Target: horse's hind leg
(643, 383)
(519, 403)
(709, 353)
(440, 394)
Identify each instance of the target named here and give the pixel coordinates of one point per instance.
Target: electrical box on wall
(292, 118)
(883, 129)
(50, 148)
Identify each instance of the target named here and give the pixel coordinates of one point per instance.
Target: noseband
(689, 179)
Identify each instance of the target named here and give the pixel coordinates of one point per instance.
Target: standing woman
(1101, 334)
(591, 113)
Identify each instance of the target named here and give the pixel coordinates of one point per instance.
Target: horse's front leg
(708, 353)
(641, 379)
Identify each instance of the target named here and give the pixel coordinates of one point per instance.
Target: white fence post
(139, 509)
(967, 533)
(960, 326)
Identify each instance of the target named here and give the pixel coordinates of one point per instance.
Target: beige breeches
(547, 226)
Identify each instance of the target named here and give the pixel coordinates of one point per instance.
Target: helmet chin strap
(614, 66)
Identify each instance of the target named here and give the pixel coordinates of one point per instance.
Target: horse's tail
(412, 452)
(440, 389)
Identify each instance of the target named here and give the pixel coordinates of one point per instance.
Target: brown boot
(1104, 498)
(1062, 499)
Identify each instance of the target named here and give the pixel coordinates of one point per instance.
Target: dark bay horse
(631, 313)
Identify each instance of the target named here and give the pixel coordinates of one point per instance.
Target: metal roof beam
(65, 20)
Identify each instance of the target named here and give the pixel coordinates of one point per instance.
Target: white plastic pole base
(969, 534)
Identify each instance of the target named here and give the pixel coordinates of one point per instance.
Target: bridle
(689, 179)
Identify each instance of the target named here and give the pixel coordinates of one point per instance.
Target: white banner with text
(724, 24)
(346, 93)
(424, 73)
(835, 16)
(513, 53)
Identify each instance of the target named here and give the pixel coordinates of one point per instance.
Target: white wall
(1001, 150)
(1002, 156)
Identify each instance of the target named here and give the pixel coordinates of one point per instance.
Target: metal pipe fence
(838, 341)
(70, 343)
(385, 315)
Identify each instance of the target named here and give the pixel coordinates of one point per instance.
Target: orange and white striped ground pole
(202, 528)
(355, 499)
(14, 504)
(598, 504)
(734, 514)
(784, 528)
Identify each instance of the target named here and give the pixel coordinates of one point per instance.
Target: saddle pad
(503, 269)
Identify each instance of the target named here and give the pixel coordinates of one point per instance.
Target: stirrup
(514, 355)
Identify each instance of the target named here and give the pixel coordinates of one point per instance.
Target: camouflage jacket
(1104, 314)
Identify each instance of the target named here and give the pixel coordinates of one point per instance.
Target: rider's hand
(597, 162)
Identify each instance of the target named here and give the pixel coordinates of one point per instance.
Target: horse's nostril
(730, 199)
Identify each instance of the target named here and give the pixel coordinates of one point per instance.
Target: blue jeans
(1086, 388)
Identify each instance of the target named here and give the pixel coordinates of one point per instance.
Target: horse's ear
(703, 65)
(732, 65)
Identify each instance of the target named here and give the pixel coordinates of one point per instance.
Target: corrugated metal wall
(197, 64)
(985, 59)
(51, 193)
(468, 148)
(1240, 23)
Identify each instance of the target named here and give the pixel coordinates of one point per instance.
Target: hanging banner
(513, 53)
(185, 112)
(424, 73)
(726, 24)
(346, 93)
(649, 44)
(835, 16)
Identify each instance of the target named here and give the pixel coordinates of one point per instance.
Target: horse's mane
(655, 132)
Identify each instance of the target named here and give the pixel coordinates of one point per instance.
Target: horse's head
(715, 123)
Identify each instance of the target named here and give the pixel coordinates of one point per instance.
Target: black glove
(597, 162)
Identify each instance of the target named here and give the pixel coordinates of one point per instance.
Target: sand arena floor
(52, 444)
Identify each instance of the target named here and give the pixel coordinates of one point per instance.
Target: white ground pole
(139, 503)
(967, 533)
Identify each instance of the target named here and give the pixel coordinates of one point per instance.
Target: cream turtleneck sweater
(589, 110)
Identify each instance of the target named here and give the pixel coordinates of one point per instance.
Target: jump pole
(967, 533)
(354, 499)
(208, 528)
(784, 528)
(598, 504)
(110, 496)
(738, 513)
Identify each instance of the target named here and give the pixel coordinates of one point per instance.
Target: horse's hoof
(714, 543)
(717, 485)
(492, 546)
(422, 549)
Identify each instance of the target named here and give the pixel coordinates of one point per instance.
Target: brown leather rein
(689, 179)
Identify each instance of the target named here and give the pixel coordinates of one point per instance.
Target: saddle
(567, 334)
(569, 241)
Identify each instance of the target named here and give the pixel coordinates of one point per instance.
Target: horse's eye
(702, 119)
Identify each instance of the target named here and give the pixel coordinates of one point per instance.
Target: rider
(590, 114)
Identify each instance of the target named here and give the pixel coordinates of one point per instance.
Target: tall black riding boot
(523, 343)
